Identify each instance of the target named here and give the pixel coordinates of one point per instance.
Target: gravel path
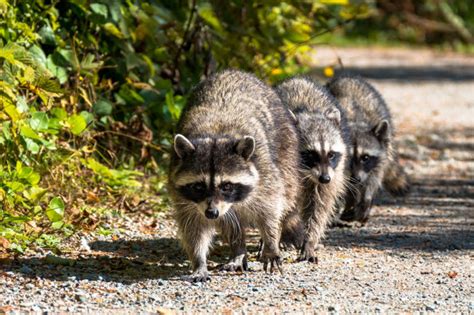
(415, 254)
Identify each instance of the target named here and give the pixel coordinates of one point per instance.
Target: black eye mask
(234, 192)
(196, 192)
(309, 158)
(369, 163)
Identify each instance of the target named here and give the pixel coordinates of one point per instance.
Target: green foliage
(90, 92)
(442, 23)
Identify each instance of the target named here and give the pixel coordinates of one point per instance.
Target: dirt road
(415, 254)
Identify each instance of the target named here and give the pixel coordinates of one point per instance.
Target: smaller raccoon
(374, 159)
(323, 151)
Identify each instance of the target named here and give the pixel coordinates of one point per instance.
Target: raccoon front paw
(199, 276)
(238, 263)
(272, 260)
(309, 256)
(308, 253)
(348, 215)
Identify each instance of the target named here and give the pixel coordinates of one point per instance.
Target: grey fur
(322, 129)
(239, 130)
(372, 133)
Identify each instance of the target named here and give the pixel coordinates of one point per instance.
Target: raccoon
(234, 165)
(374, 158)
(323, 140)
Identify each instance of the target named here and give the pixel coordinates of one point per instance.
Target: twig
(185, 35)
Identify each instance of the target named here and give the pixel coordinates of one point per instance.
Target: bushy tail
(292, 233)
(395, 180)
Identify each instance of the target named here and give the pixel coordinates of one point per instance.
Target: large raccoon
(374, 159)
(323, 147)
(234, 165)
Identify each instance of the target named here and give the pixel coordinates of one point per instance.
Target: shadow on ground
(124, 261)
(118, 261)
(441, 218)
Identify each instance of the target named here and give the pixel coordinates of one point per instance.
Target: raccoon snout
(212, 213)
(324, 179)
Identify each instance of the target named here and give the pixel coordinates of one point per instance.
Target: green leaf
(39, 121)
(59, 113)
(77, 124)
(99, 9)
(47, 35)
(113, 30)
(12, 111)
(27, 132)
(35, 193)
(21, 104)
(32, 146)
(29, 175)
(102, 107)
(59, 72)
(206, 12)
(55, 210)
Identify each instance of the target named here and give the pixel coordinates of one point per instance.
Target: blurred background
(90, 91)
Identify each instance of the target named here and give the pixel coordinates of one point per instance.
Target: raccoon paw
(312, 258)
(198, 276)
(273, 262)
(339, 223)
(238, 263)
(308, 254)
(348, 215)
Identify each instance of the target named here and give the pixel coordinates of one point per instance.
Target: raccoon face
(213, 174)
(368, 151)
(322, 146)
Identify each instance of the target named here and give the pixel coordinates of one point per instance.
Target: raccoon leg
(317, 216)
(269, 225)
(235, 236)
(292, 234)
(364, 207)
(196, 238)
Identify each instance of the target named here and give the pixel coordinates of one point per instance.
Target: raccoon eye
(309, 158)
(198, 187)
(365, 158)
(226, 187)
(331, 155)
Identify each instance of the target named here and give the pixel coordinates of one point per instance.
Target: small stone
(29, 286)
(430, 308)
(80, 298)
(333, 308)
(85, 245)
(161, 282)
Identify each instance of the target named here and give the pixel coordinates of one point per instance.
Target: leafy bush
(91, 90)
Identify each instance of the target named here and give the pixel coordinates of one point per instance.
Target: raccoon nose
(212, 213)
(324, 179)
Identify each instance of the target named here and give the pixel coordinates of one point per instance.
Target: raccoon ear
(334, 114)
(245, 147)
(182, 146)
(381, 130)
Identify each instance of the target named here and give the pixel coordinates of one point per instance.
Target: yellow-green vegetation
(90, 92)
